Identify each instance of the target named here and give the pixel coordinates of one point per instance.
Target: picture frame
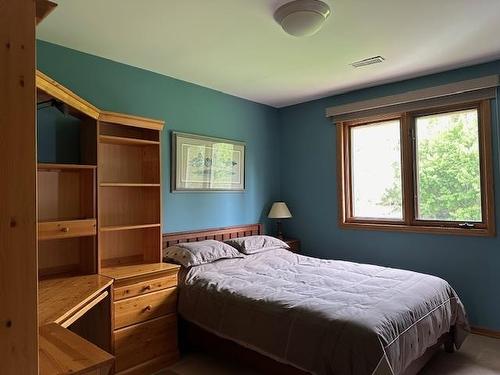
(201, 163)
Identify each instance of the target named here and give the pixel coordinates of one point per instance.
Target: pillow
(255, 244)
(195, 253)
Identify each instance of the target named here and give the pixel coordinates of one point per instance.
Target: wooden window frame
(409, 221)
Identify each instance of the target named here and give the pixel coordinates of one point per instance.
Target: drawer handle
(148, 308)
(147, 287)
(65, 229)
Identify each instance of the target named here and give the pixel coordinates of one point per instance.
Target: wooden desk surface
(59, 298)
(64, 352)
(134, 270)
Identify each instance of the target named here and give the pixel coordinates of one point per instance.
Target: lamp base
(279, 231)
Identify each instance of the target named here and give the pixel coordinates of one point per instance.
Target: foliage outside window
(418, 171)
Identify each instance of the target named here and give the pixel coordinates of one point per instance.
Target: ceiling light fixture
(302, 17)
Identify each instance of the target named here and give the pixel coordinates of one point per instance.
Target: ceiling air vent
(368, 61)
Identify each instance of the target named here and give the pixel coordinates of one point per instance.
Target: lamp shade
(279, 210)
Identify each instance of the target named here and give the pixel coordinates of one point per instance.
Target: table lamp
(279, 210)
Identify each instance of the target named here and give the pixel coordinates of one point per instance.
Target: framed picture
(207, 164)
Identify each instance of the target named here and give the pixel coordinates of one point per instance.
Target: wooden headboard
(220, 234)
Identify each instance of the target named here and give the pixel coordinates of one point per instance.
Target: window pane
(376, 170)
(448, 171)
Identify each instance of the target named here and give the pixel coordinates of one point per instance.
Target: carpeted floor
(478, 356)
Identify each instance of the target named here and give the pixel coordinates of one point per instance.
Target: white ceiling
(236, 47)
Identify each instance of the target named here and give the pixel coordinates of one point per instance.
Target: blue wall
(308, 185)
(185, 107)
(290, 155)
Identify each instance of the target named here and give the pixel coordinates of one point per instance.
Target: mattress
(322, 316)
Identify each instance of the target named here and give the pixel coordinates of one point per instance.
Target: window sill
(477, 232)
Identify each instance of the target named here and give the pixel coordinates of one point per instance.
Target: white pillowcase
(255, 244)
(195, 253)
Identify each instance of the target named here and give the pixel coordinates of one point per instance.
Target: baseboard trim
(485, 332)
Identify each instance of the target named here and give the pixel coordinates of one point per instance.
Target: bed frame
(192, 337)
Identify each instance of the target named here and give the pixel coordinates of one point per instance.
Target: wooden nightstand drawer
(145, 341)
(148, 306)
(294, 245)
(147, 285)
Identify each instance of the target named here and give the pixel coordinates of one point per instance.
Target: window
(423, 171)
(376, 169)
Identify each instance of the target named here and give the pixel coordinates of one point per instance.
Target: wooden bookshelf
(67, 191)
(129, 208)
(129, 194)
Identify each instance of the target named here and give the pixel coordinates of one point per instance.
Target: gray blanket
(322, 316)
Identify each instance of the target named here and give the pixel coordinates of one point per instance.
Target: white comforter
(323, 316)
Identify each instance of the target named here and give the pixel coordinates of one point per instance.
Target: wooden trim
(18, 245)
(126, 184)
(487, 174)
(417, 95)
(407, 174)
(130, 120)
(43, 9)
(113, 228)
(60, 298)
(414, 229)
(58, 91)
(126, 141)
(84, 309)
(134, 272)
(485, 332)
(220, 234)
(58, 167)
(345, 159)
(410, 223)
(341, 195)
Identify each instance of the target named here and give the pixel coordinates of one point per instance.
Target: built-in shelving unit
(99, 220)
(67, 176)
(129, 194)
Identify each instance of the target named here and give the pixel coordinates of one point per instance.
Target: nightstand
(294, 244)
(145, 317)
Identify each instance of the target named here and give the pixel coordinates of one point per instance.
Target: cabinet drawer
(145, 341)
(148, 306)
(152, 366)
(136, 288)
(66, 229)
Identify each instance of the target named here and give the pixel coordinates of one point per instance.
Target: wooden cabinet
(150, 305)
(146, 341)
(147, 285)
(145, 317)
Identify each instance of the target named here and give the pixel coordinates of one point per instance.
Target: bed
(288, 313)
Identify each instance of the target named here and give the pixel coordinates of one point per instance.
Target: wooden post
(18, 251)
